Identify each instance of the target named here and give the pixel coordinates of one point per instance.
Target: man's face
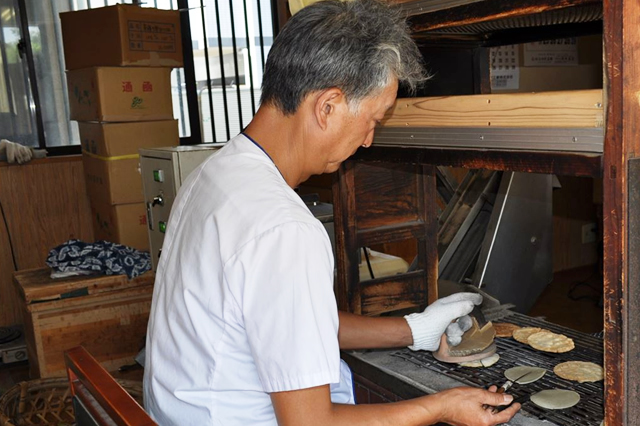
(356, 130)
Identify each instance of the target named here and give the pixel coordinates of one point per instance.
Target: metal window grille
(216, 93)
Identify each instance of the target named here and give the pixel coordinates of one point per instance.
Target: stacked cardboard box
(118, 61)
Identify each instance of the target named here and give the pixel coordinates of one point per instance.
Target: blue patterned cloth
(101, 257)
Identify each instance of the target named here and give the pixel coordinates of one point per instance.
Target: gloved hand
(428, 326)
(14, 152)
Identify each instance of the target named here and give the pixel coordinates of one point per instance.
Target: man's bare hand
(464, 406)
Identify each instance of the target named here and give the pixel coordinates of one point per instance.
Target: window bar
(179, 80)
(260, 32)
(249, 43)
(235, 62)
(222, 76)
(24, 25)
(189, 77)
(71, 6)
(7, 82)
(206, 61)
(155, 4)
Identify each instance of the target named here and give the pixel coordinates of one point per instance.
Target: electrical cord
(366, 256)
(6, 225)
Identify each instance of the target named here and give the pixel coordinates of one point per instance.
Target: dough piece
(547, 341)
(532, 374)
(484, 362)
(579, 371)
(505, 329)
(555, 399)
(522, 335)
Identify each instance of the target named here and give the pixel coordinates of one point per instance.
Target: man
(244, 328)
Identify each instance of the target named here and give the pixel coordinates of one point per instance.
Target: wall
(45, 204)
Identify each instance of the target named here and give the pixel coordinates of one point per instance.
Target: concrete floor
(573, 299)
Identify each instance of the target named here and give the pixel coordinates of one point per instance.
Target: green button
(158, 176)
(162, 226)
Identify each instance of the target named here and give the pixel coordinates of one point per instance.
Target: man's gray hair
(358, 46)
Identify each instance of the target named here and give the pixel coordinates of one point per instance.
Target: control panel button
(158, 175)
(162, 226)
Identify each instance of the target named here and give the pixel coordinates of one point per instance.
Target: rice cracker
(505, 329)
(547, 341)
(579, 371)
(522, 335)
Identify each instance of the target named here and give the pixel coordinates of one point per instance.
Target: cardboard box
(113, 94)
(121, 35)
(107, 314)
(124, 224)
(110, 157)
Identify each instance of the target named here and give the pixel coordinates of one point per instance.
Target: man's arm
(361, 332)
(458, 406)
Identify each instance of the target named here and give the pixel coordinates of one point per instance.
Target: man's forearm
(360, 332)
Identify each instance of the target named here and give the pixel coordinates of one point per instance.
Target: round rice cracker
(482, 363)
(523, 374)
(555, 399)
(579, 371)
(505, 329)
(522, 335)
(547, 341)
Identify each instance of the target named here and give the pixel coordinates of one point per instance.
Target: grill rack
(588, 412)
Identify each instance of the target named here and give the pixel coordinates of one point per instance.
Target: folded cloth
(99, 257)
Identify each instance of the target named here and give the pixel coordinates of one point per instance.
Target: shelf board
(556, 162)
(480, 16)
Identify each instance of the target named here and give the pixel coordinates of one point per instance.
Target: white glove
(428, 327)
(14, 152)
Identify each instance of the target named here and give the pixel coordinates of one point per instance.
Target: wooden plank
(36, 285)
(111, 325)
(575, 108)
(390, 233)
(561, 163)
(393, 293)
(489, 10)
(347, 250)
(428, 245)
(385, 194)
(45, 204)
(100, 394)
(615, 358)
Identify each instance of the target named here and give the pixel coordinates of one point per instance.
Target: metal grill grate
(590, 409)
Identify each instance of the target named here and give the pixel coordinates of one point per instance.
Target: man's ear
(326, 106)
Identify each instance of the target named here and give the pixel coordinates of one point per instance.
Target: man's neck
(282, 139)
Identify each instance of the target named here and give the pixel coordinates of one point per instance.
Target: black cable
(595, 298)
(6, 225)
(366, 256)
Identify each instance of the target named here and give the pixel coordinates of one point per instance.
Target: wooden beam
(561, 163)
(575, 108)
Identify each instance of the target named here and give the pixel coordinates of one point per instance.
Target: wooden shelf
(560, 163)
(477, 17)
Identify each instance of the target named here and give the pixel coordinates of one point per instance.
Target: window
(231, 40)
(223, 70)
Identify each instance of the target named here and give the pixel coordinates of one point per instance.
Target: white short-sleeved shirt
(243, 303)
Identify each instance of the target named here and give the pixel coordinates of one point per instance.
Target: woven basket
(47, 402)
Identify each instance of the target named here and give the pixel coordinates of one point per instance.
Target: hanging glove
(449, 314)
(14, 152)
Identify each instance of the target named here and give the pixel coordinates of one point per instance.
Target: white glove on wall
(14, 152)
(427, 327)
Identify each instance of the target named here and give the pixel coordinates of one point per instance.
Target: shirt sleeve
(288, 306)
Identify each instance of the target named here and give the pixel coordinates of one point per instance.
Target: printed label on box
(551, 53)
(152, 36)
(505, 72)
